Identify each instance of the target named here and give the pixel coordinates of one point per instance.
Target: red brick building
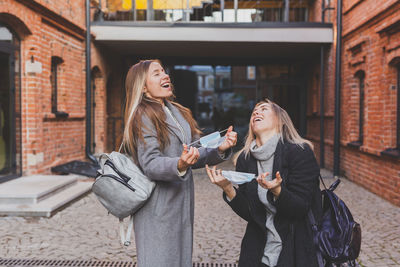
(369, 88)
(45, 40)
(45, 43)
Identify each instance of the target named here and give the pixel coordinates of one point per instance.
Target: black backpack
(338, 236)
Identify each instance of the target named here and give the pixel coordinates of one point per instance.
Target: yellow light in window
(127, 4)
(141, 4)
(161, 4)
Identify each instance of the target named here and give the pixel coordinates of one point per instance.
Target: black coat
(300, 192)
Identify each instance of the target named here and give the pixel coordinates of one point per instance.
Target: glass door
(220, 96)
(10, 122)
(7, 144)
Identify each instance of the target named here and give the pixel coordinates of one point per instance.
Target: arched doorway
(10, 105)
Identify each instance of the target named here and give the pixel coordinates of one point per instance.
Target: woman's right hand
(217, 178)
(188, 157)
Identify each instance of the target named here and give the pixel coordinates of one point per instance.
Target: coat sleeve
(154, 164)
(240, 204)
(296, 195)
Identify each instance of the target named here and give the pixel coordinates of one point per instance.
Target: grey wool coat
(164, 225)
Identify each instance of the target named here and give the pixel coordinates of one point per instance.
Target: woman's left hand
(274, 186)
(217, 178)
(230, 140)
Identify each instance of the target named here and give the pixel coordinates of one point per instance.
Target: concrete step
(33, 189)
(46, 207)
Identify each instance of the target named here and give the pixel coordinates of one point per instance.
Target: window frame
(360, 77)
(54, 71)
(361, 108)
(395, 152)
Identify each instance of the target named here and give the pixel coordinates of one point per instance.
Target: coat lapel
(258, 211)
(181, 120)
(277, 165)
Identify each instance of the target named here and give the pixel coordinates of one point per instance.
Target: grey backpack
(122, 188)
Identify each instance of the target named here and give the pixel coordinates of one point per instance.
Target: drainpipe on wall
(336, 144)
(322, 112)
(322, 96)
(88, 88)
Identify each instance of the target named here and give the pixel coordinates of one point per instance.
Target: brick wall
(358, 12)
(53, 29)
(115, 102)
(371, 38)
(369, 48)
(100, 112)
(72, 10)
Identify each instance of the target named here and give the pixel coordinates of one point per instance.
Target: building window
(395, 151)
(361, 82)
(55, 65)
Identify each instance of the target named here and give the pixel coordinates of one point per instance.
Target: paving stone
(84, 230)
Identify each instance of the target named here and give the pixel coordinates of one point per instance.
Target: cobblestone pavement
(84, 231)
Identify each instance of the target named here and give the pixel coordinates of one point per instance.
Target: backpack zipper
(118, 179)
(112, 166)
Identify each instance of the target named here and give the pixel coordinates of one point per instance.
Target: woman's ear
(146, 93)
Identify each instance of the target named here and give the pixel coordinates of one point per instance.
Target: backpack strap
(314, 228)
(322, 180)
(126, 239)
(121, 147)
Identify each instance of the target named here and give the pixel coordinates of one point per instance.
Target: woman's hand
(217, 178)
(188, 157)
(230, 140)
(274, 186)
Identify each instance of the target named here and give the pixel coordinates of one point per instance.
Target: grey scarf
(265, 159)
(264, 154)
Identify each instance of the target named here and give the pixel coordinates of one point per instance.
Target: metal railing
(210, 11)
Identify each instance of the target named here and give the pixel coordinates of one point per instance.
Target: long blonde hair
(285, 128)
(137, 105)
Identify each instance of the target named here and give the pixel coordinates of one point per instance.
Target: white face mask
(212, 140)
(238, 177)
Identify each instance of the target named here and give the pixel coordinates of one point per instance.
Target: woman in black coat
(276, 204)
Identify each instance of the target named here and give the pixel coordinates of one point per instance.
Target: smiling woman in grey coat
(156, 132)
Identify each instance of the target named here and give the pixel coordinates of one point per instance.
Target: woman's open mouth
(257, 119)
(166, 85)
